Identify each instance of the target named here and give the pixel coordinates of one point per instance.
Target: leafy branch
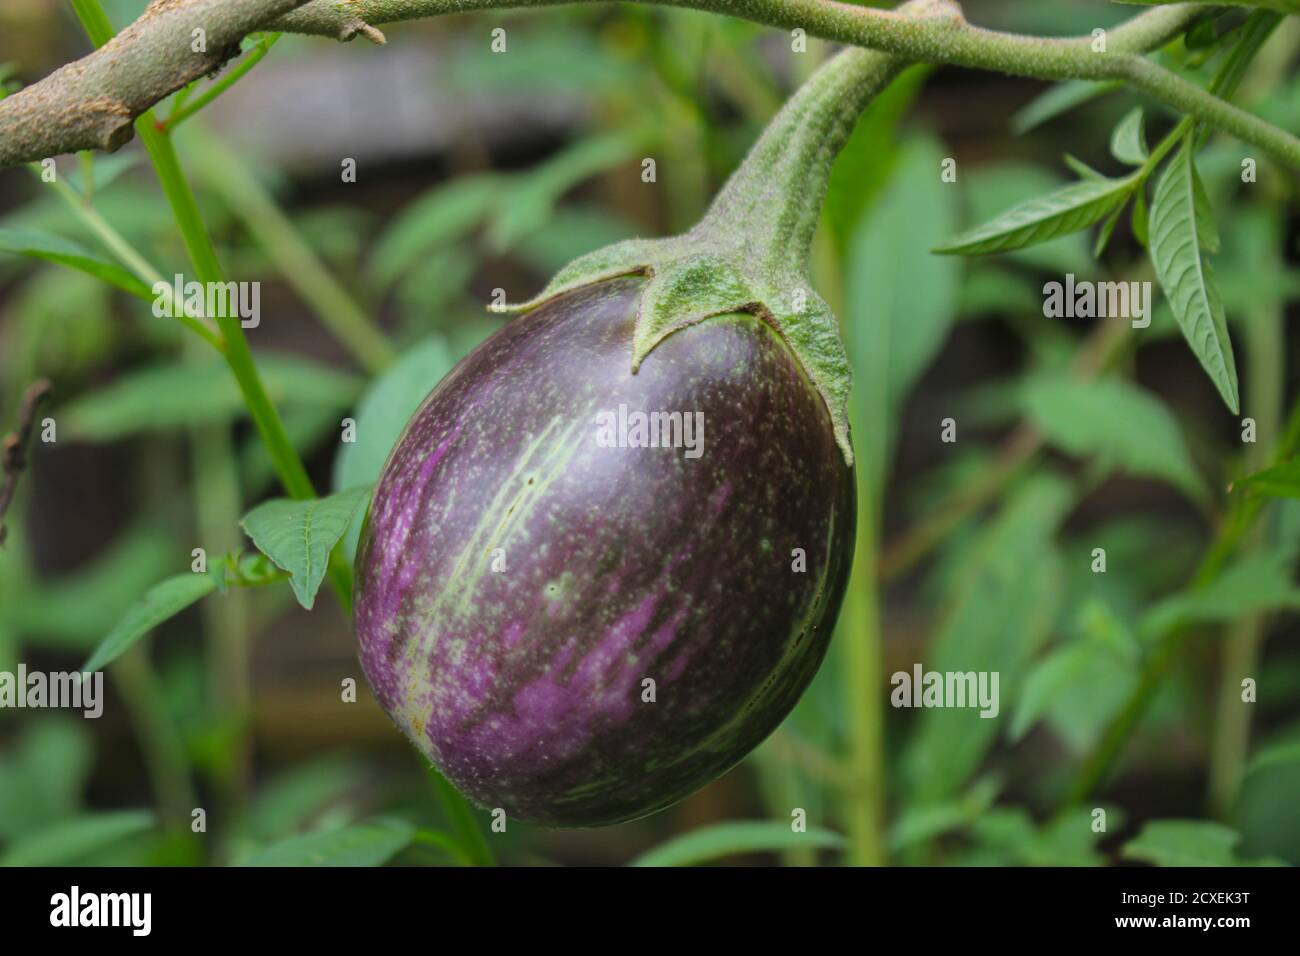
(91, 103)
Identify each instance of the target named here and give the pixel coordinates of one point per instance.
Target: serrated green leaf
(362, 844)
(1181, 232)
(56, 249)
(729, 839)
(1127, 143)
(299, 535)
(164, 600)
(70, 840)
(1074, 207)
(198, 393)
(1280, 481)
(1117, 422)
(1186, 843)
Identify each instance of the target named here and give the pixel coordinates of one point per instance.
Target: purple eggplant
(584, 593)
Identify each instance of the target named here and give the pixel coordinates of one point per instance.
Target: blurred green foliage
(1132, 456)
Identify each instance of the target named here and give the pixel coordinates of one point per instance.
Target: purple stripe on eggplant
(523, 682)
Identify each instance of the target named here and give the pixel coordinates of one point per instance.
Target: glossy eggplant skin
(579, 631)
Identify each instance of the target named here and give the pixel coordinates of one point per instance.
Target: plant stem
(1236, 526)
(132, 76)
(117, 244)
(227, 621)
(461, 817)
(860, 640)
(184, 111)
(944, 38)
(1266, 358)
(288, 466)
(163, 749)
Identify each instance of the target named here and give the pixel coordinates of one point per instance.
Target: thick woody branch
(90, 103)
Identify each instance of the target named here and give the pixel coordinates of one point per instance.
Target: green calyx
(750, 252)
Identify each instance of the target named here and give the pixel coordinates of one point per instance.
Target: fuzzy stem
(90, 103)
(770, 207)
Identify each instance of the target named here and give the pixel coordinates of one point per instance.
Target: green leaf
(1057, 100)
(1104, 233)
(65, 252)
(1141, 218)
(571, 230)
(43, 773)
(1280, 481)
(866, 163)
(527, 204)
(459, 813)
(1066, 841)
(70, 840)
(1185, 843)
(107, 169)
(361, 844)
(1070, 209)
(1281, 6)
(1181, 232)
(443, 214)
(1261, 581)
(299, 535)
(185, 394)
(728, 839)
(69, 611)
(1120, 424)
(1127, 144)
(900, 300)
(1003, 604)
(1083, 170)
(1079, 685)
(1265, 809)
(382, 414)
(164, 600)
(917, 824)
